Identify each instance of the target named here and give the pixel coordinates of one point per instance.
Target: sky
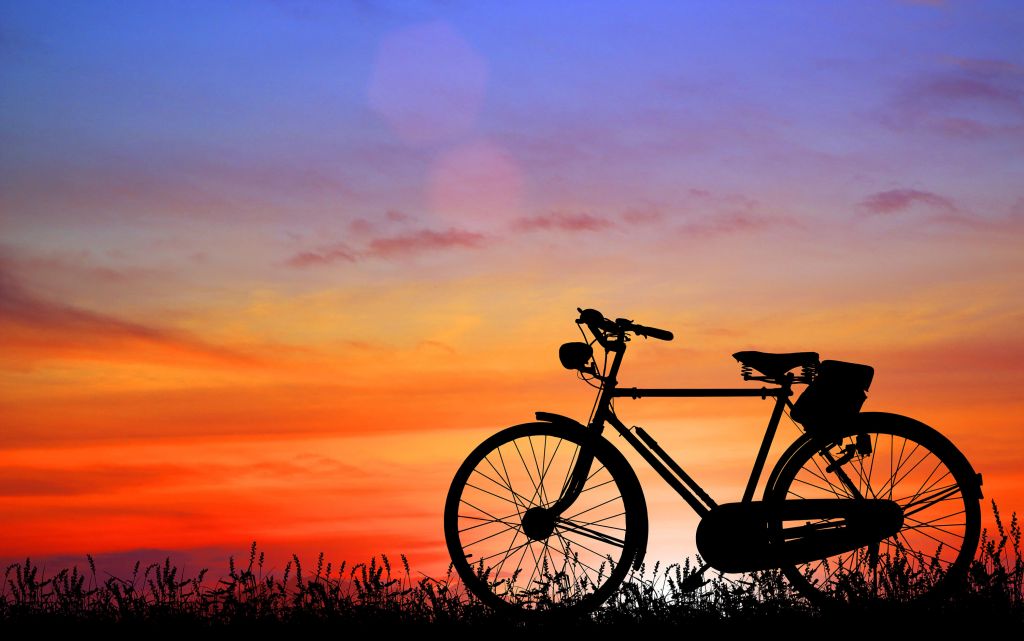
(270, 270)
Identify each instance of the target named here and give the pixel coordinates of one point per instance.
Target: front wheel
(886, 456)
(516, 554)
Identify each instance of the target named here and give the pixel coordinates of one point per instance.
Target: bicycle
(548, 516)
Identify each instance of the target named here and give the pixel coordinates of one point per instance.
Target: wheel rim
(511, 550)
(939, 533)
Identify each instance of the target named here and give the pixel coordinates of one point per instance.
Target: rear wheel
(516, 554)
(885, 456)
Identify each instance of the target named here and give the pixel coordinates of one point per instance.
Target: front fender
(558, 419)
(632, 484)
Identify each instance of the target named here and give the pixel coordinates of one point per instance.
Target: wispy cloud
(170, 183)
(57, 481)
(386, 239)
(642, 216)
(968, 98)
(938, 209)
(327, 255)
(899, 200)
(732, 223)
(34, 327)
(425, 240)
(563, 221)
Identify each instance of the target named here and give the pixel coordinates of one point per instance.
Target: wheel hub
(538, 523)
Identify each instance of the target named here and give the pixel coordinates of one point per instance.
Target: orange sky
(284, 305)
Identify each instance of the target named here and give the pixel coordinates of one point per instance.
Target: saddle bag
(836, 394)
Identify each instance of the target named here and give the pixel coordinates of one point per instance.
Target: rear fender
(867, 420)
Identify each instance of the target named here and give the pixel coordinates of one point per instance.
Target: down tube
(659, 467)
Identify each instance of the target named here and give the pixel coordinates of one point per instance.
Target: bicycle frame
(673, 474)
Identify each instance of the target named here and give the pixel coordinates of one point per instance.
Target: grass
(381, 593)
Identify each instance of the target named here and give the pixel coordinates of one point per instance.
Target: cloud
(898, 200)
(191, 182)
(987, 66)
(323, 256)
(968, 98)
(395, 216)
(36, 327)
(563, 222)
(45, 478)
(81, 265)
(53, 481)
(642, 216)
(1017, 210)
(730, 223)
(941, 210)
(387, 245)
(425, 240)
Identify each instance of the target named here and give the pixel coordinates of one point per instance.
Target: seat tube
(769, 436)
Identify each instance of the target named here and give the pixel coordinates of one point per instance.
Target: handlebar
(652, 332)
(600, 326)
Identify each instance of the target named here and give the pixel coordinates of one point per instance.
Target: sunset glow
(270, 270)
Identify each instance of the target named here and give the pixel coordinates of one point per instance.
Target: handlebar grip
(653, 332)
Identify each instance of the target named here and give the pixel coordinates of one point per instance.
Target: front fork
(574, 484)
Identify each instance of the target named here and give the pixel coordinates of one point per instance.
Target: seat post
(769, 435)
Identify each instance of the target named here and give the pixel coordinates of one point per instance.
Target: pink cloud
(965, 88)
(730, 223)
(969, 98)
(387, 246)
(1017, 211)
(897, 200)
(396, 216)
(324, 256)
(563, 221)
(425, 240)
(642, 216)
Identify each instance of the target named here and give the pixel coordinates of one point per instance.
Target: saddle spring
(807, 374)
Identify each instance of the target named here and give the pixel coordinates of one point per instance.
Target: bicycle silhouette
(550, 517)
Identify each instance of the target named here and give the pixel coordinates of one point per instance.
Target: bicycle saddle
(774, 365)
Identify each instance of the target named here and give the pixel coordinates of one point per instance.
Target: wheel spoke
(591, 544)
(909, 465)
(589, 532)
(924, 504)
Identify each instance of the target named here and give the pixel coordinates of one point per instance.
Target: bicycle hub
(538, 523)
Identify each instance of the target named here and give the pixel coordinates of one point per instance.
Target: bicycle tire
(910, 463)
(575, 568)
